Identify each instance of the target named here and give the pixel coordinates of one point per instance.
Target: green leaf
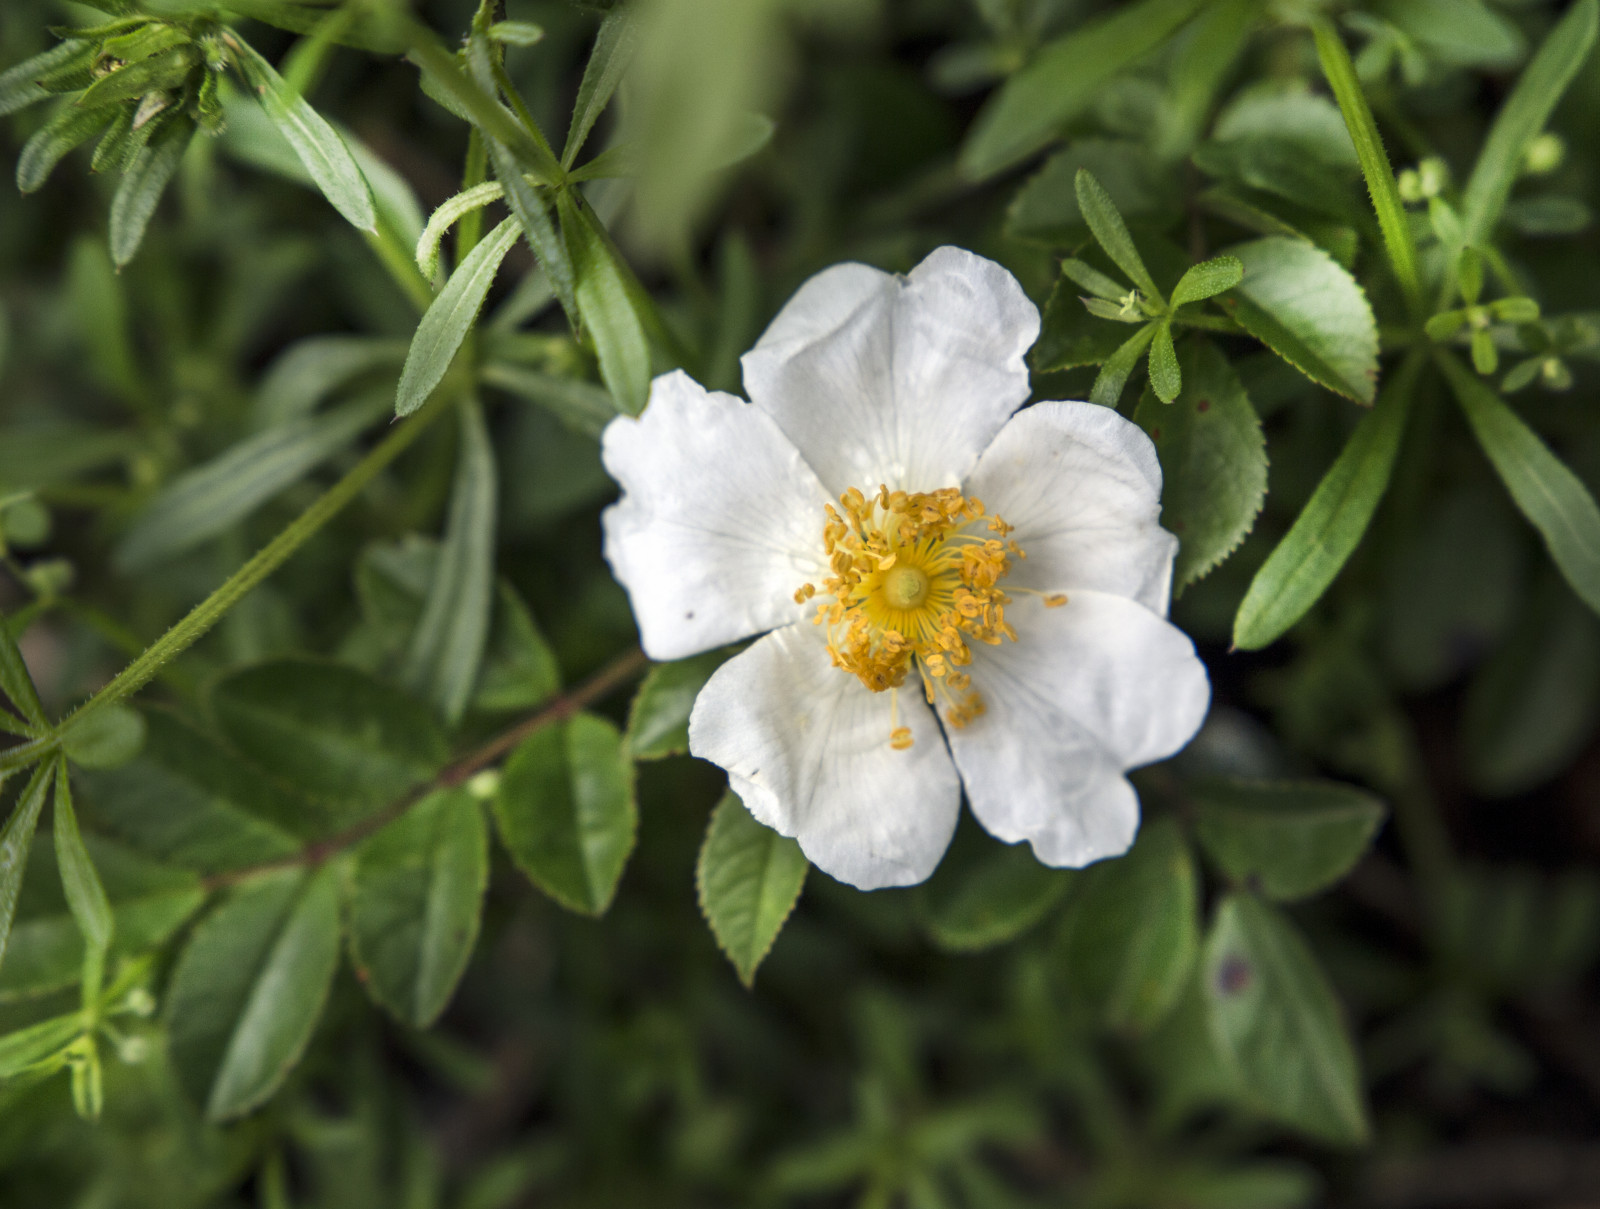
(1554, 500)
(15, 842)
(310, 370)
(1522, 118)
(1532, 707)
(608, 62)
(1100, 212)
(991, 902)
(658, 720)
(1131, 931)
(329, 731)
(46, 953)
(1306, 308)
(606, 307)
(565, 811)
(142, 185)
(1275, 1015)
(1207, 279)
(1284, 839)
(158, 73)
(19, 86)
(86, 897)
(1045, 210)
(1068, 337)
(106, 738)
(187, 801)
(15, 680)
(1213, 462)
(1113, 376)
(211, 498)
(1328, 529)
(581, 406)
(1165, 377)
(1064, 78)
(1088, 277)
(417, 895)
(248, 989)
(447, 646)
(449, 213)
(443, 329)
(519, 669)
(321, 150)
(749, 878)
(70, 128)
(38, 1042)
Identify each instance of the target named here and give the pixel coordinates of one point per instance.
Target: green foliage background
(352, 855)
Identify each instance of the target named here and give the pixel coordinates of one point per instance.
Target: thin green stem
(271, 556)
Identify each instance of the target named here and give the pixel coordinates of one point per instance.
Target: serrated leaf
(318, 145)
(1207, 279)
(1284, 839)
(248, 989)
(416, 898)
(443, 329)
(606, 308)
(1523, 116)
(749, 878)
(993, 901)
(1065, 77)
(1275, 1015)
(658, 720)
(565, 811)
(1549, 495)
(142, 185)
(1309, 310)
(212, 497)
(1213, 462)
(1331, 525)
(447, 645)
(331, 732)
(1131, 932)
(450, 212)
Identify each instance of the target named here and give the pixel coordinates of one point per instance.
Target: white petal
(720, 519)
(897, 380)
(807, 747)
(1083, 487)
(1090, 689)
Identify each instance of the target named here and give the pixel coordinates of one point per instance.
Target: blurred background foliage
(1351, 959)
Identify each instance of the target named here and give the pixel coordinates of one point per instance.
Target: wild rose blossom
(952, 596)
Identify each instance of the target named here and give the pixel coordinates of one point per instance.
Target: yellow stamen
(914, 582)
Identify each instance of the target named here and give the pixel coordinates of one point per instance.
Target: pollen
(915, 582)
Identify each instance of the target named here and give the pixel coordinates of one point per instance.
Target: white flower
(915, 555)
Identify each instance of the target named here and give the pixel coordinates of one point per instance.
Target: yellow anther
(900, 738)
(912, 587)
(1055, 600)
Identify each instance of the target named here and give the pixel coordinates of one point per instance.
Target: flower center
(915, 580)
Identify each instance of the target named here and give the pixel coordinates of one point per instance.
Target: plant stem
(609, 678)
(271, 556)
